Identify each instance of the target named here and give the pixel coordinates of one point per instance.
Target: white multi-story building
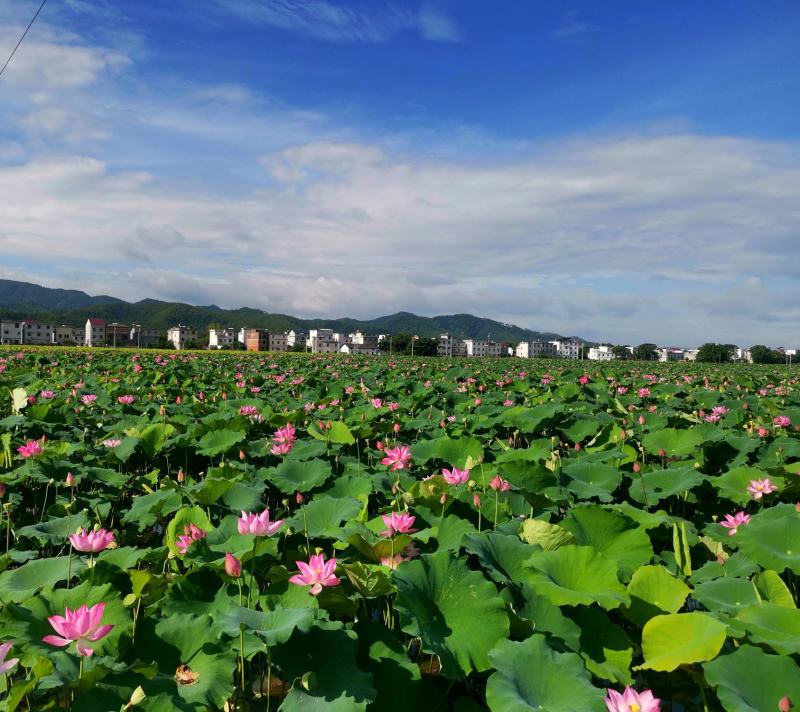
(480, 348)
(143, 338)
(567, 348)
(10, 331)
(95, 332)
(690, 354)
(601, 353)
(536, 349)
(740, 354)
(221, 338)
(449, 346)
(179, 336)
(673, 353)
(35, 333)
(323, 341)
(278, 342)
(65, 335)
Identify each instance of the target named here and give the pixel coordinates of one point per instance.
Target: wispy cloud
(359, 21)
(572, 26)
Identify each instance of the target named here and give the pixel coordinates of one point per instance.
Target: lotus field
(236, 531)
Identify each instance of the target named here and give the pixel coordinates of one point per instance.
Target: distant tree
(621, 353)
(763, 354)
(423, 346)
(715, 353)
(584, 351)
(297, 348)
(645, 352)
(397, 343)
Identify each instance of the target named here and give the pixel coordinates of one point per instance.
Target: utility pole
(114, 326)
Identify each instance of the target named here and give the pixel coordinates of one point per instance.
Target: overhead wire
(16, 47)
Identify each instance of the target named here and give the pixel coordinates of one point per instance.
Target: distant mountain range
(71, 306)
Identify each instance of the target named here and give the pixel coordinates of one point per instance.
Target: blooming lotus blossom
(248, 410)
(258, 524)
(398, 523)
(622, 390)
(782, 421)
(758, 488)
(397, 458)
(6, 665)
(126, 400)
(316, 573)
(286, 434)
(47, 394)
(81, 625)
(644, 392)
(112, 443)
(632, 701)
(508, 402)
(32, 448)
(282, 449)
(191, 534)
(405, 555)
(498, 484)
(376, 402)
(233, 567)
(88, 399)
(583, 380)
(733, 522)
(91, 541)
(455, 476)
(393, 406)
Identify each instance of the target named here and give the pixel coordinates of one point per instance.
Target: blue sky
(622, 170)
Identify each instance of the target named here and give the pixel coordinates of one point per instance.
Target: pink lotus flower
(583, 380)
(782, 421)
(507, 402)
(6, 665)
(498, 484)
(455, 476)
(112, 443)
(32, 448)
(405, 555)
(644, 392)
(763, 432)
(191, 534)
(393, 406)
(316, 573)
(233, 567)
(758, 488)
(733, 522)
(284, 435)
(88, 399)
(376, 402)
(632, 701)
(282, 449)
(719, 410)
(398, 523)
(47, 394)
(91, 541)
(398, 458)
(258, 524)
(622, 390)
(248, 410)
(126, 400)
(81, 625)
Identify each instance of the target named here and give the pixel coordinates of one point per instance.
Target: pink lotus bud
(396, 427)
(70, 480)
(476, 500)
(379, 445)
(578, 447)
(662, 452)
(241, 454)
(637, 467)
(641, 420)
(785, 704)
(298, 497)
(180, 474)
(443, 499)
(233, 567)
(478, 401)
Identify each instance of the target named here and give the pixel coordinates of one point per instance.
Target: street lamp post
(114, 326)
(413, 339)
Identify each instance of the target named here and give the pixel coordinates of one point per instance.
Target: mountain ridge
(69, 306)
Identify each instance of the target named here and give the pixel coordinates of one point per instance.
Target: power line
(30, 24)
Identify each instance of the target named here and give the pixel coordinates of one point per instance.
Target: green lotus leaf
(531, 676)
(588, 480)
(726, 594)
(773, 625)
(653, 591)
(455, 611)
(577, 575)
(751, 680)
(681, 639)
(298, 476)
(218, 442)
(772, 538)
(545, 534)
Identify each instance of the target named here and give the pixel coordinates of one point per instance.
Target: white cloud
(672, 238)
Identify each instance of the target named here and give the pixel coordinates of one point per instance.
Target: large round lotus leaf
(605, 647)
(531, 676)
(773, 625)
(726, 594)
(298, 476)
(772, 538)
(323, 516)
(21, 583)
(651, 487)
(613, 535)
(681, 639)
(593, 479)
(502, 555)
(653, 591)
(218, 442)
(676, 442)
(773, 589)
(750, 680)
(455, 611)
(190, 640)
(577, 575)
(454, 452)
(527, 420)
